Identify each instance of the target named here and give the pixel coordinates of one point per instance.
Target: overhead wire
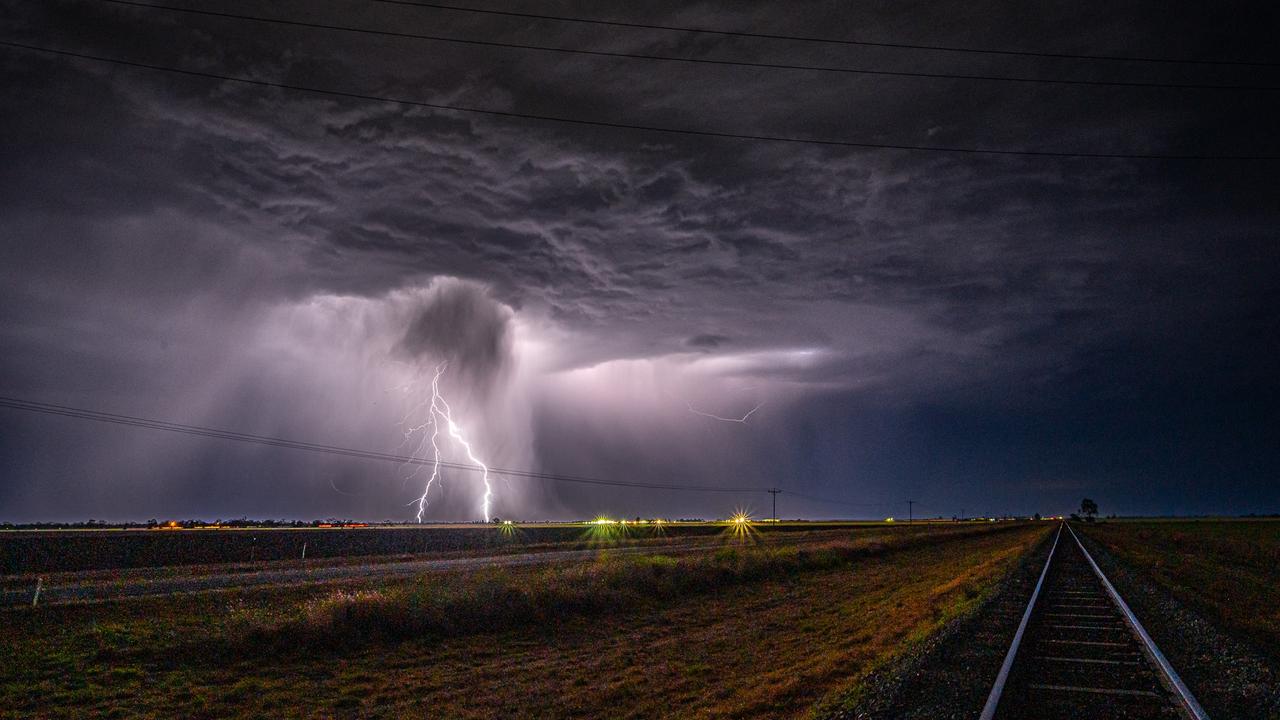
(691, 60)
(584, 122)
(196, 430)
(832, 501)
(829, 40)
(223, 434)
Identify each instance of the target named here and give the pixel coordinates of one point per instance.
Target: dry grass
(763, 645)
(499, 598)
(1229, 570)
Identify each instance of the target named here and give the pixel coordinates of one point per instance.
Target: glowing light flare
(740, 526)
(606, 531)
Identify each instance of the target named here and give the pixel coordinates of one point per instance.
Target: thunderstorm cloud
(948, 327)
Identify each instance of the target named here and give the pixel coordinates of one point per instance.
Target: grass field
(738, 632)
(1227, 569)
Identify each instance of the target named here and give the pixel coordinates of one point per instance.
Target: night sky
(986, 333)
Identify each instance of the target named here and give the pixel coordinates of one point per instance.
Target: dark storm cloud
(707, 341)
(144, 209)
(460, 324)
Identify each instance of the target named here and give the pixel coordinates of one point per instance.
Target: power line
(196, 430)
(678, 59)
(200, 431)
(829, 41)
(832, 501)
(630, 126)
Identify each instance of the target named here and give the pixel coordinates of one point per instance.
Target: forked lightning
(439, 413)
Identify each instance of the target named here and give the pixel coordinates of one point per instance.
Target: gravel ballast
(1229, 678)
(948, 676)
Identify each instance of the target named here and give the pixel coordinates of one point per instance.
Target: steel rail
(997, 689)
(1188, 700)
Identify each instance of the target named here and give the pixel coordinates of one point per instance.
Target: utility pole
(911, 511)
(774, 492)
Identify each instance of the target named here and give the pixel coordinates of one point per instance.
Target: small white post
(304, 551)
(35, 600)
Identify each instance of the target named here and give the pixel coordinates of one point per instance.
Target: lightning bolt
(742, 420)
(439, 414)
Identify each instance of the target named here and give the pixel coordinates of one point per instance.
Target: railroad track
(1079, 652)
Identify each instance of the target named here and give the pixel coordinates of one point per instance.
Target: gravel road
(99, 586)
(68, 590)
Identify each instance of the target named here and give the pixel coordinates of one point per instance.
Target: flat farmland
(1226, 569)
(511, 548)
(44, 551)
(740, 629)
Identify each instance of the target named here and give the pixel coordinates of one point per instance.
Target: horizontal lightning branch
(742, 420)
